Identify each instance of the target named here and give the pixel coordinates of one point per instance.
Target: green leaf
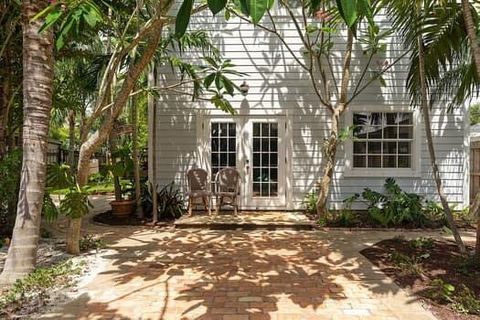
(257, 9)
(348, 11)
(216, 5)
(183, 17)
(208, 80)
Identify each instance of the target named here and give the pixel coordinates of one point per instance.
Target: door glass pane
(223, 144)
(265, 159)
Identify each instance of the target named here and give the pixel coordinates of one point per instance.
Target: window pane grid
(223, 143)
(265, 159)
(382, 140)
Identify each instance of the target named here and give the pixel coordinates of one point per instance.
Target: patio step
(249, 220)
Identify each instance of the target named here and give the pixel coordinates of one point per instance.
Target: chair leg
(205, 204)
(235, 207)
(217, 210)
(209, 198)
(190, 206)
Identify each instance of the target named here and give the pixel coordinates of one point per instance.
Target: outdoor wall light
(244, 87)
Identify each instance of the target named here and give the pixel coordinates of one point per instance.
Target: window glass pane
(359, 147)
(404, 148)
(265, 144)
(256, 144)
(374, 161)
(223, 144)
(232, 144)
(265, 159)
(273, 189)
(359, 161)
(256, 189)
(232, 157)
(392, 118)
(360, 132)
(273, 160)
(215, 159)
(374, 147)
(265, 176)
(256, 159)
(391, 132)
(375, 132)
(390, 161)
(405, 132)
(404, 161)
(223, 159)
(273, 144)
(360, 119)
(256, 174)
(264, 187)
(214, 144)
(265, 130)
(376, 119)
(215, 130)
(274, 174)
(223, 129)
(256, 129)
(405, 118)
(390, 147)
(232, 130)
(273, 129)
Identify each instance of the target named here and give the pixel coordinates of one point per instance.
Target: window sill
(381, 173)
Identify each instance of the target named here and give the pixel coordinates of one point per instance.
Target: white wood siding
(279, 86)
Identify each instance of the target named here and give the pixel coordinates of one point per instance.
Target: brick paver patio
(237, 274)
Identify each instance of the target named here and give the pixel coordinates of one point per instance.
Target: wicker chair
(227, 183)
(198, 188)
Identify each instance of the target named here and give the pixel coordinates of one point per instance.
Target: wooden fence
(474, 169)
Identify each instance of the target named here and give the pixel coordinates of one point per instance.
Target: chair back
(197, 179)
(227, 180)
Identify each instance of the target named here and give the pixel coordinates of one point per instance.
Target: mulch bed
(443, 262)
(132, 220)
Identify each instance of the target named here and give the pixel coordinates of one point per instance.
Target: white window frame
(414, 171)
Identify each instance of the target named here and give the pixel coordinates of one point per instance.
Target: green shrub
(462, 301)
(408, 265)
(37, 285)
(421, 243)
(90, 242)
(10, 169)
(171, 203)
(310, 202)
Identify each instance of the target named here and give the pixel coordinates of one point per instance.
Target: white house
(275, 139)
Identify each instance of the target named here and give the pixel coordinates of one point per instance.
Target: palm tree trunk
(472, 33)
(431, 149)
(37, 89)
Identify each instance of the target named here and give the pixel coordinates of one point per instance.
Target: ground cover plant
(391, 208)
(435, 271)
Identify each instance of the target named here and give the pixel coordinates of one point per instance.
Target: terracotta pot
(122, 208)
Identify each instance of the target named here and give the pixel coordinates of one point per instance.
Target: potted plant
(122, 169)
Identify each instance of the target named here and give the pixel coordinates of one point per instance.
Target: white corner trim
(466, 154)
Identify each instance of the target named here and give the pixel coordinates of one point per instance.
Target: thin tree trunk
(71, 138)
(330, 147)
(136, 159)
(37, 89)
(101, 135)
(431, 149)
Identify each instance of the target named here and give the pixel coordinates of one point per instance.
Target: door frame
(243, 146)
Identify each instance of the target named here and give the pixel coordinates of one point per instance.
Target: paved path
(228, 275)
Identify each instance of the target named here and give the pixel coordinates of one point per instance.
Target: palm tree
(471, 29)
(37, 88)
(435, 35)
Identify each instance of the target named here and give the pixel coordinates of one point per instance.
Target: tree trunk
(101, 135)
(37, 103)
(431, 149)
(136, 159)
(329, 152)
(472, 33)
(71, 138)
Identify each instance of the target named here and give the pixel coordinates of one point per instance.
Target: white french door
(255, 146)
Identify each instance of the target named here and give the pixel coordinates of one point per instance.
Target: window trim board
(415, 171)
